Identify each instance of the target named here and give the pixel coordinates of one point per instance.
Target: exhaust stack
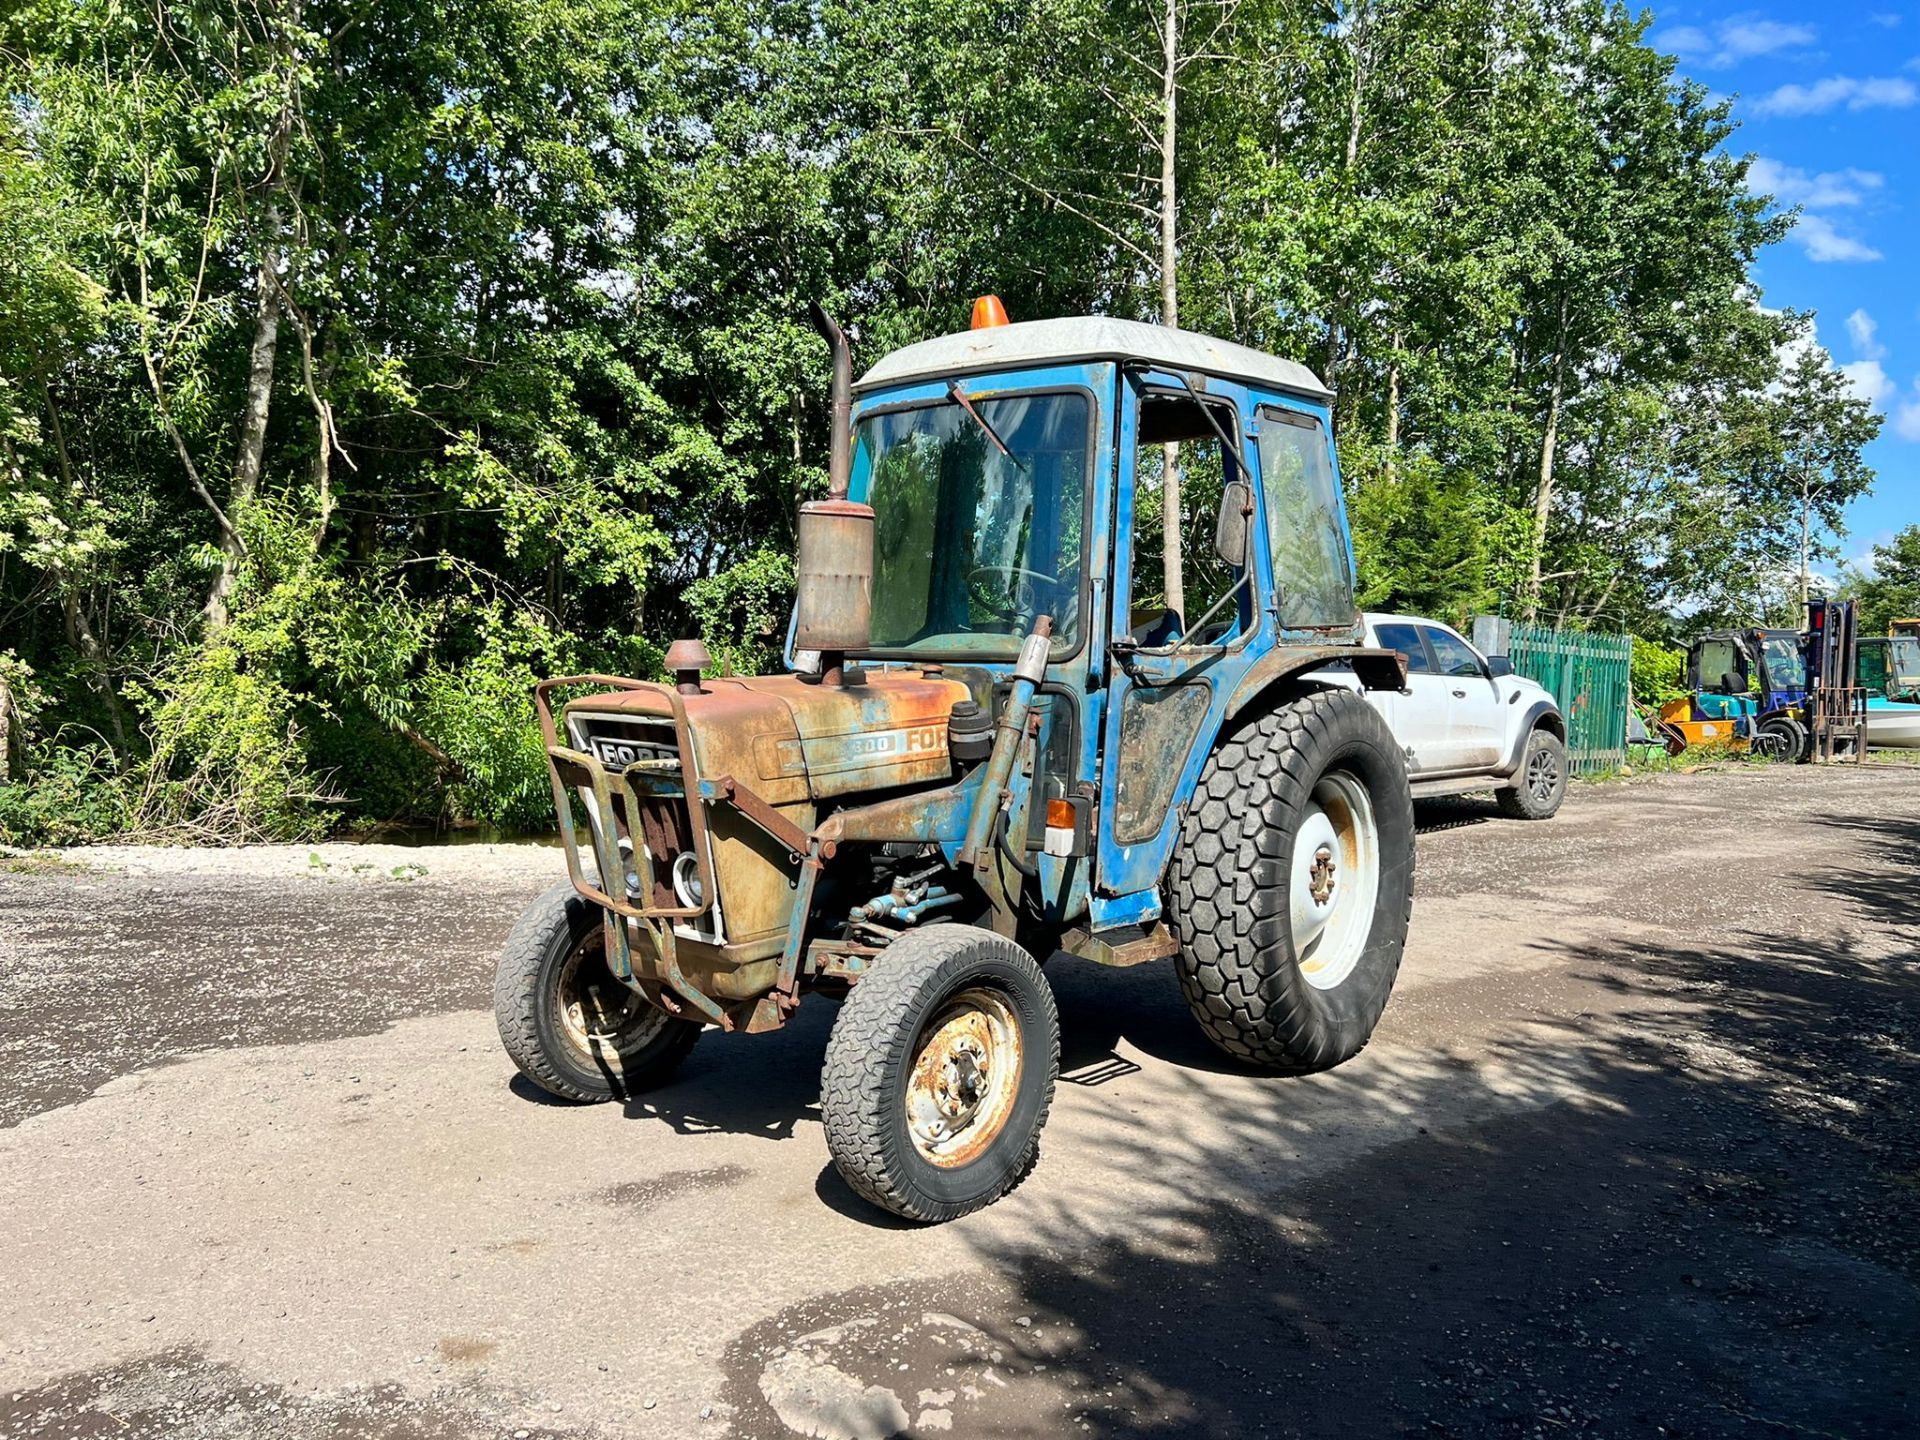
(834, 566)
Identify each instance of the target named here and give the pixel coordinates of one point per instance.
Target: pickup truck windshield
(971, 544)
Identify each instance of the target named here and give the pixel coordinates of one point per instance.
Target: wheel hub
(966, 1072)
(601, 1016)
(1320, 877)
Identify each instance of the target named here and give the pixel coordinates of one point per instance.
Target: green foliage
(1891, 591)
(1420, 536)
(1659, 672)
(353, 375)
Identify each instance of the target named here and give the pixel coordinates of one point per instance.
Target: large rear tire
(939, 1073)
(1292, 884)
(572, 1028)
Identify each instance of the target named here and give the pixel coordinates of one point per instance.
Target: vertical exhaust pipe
(833, 570)
(840, 410)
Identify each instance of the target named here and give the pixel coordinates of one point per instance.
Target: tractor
(1044, 690)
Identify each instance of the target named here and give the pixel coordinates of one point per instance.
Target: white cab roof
(1032, 343)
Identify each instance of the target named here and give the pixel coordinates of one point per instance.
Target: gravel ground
(1632, 1153)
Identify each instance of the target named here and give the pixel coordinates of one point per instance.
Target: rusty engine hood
(792, 740)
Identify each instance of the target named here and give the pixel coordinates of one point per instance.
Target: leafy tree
(1891, 589)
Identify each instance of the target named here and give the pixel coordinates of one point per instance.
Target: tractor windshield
(979, 514)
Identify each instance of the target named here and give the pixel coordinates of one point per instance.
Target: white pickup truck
(1467, 722)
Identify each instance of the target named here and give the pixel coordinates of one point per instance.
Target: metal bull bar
(574, 770)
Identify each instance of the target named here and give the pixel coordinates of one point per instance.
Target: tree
(1890, 589)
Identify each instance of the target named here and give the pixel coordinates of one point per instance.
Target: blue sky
(1828, 99)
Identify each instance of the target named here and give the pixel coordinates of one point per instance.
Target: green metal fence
(1590, 675)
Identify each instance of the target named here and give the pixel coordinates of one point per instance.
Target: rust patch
(640, 1195)
(465, 1348)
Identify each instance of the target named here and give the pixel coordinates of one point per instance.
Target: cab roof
(1032, 343)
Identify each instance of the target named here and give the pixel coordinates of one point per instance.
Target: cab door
(1172, 668)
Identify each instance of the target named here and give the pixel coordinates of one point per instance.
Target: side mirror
(1498, 665)
(1230, 528)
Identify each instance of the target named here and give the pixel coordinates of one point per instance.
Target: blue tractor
(1048, 687)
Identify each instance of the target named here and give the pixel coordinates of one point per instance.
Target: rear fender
(1272, 678)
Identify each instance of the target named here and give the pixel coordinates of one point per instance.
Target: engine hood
(793, 740)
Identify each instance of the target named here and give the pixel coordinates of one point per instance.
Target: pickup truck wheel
(572, 1028)
(1541, 782)
(939, 1073)
(1292, 884)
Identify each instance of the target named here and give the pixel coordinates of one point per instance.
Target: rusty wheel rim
(967, 1064)
(598, 1014)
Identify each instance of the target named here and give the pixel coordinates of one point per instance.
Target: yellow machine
(1683, 727)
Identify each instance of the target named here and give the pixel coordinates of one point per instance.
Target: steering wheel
(1024, 597)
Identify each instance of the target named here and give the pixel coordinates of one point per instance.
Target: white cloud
(1885, 93)
(1870, 381)
(1830, 189)
(1742, 37)
(1906, 415)
(1824, 244)
(1885, 19)
(1864, 331)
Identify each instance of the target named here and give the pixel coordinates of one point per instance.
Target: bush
(1659, 672)
(67, 795)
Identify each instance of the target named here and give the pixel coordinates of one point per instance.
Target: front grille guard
(573, 771)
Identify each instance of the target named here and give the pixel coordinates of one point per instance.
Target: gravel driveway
(1635, 1147)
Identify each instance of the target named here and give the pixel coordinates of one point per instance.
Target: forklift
(1836, 702)
(1747, 689)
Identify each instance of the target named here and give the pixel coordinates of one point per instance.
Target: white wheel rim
(1335, 880)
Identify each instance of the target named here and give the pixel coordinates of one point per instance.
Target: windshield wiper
(960, 398)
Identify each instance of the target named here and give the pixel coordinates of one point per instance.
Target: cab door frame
(1198, 679)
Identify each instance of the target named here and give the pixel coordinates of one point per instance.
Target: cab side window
(1304, 524)
(1406, 639)
(1453, 655)
(1177, 577)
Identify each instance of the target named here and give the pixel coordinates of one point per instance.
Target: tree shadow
(1686, 1203)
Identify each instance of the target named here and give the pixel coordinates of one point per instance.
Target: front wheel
(939, 1073)
(1541, 783)
(1292, 884)
(574, 1029)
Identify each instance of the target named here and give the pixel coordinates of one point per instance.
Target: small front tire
(939, 1073)
(1541, 782)
(573, 1028)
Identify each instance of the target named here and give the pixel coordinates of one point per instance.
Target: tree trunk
(1543, 489)
(253, 418)
(1393, 412)
(1806, 545)
(6, 730)
(1170, 528)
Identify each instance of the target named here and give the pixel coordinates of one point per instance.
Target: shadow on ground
(1685, 1210)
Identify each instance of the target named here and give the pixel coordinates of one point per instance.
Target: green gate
(1589, 673)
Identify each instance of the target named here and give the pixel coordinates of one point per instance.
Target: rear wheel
(939, 1073)
(1541, 782)
(1292, 884)
(573, 1028)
